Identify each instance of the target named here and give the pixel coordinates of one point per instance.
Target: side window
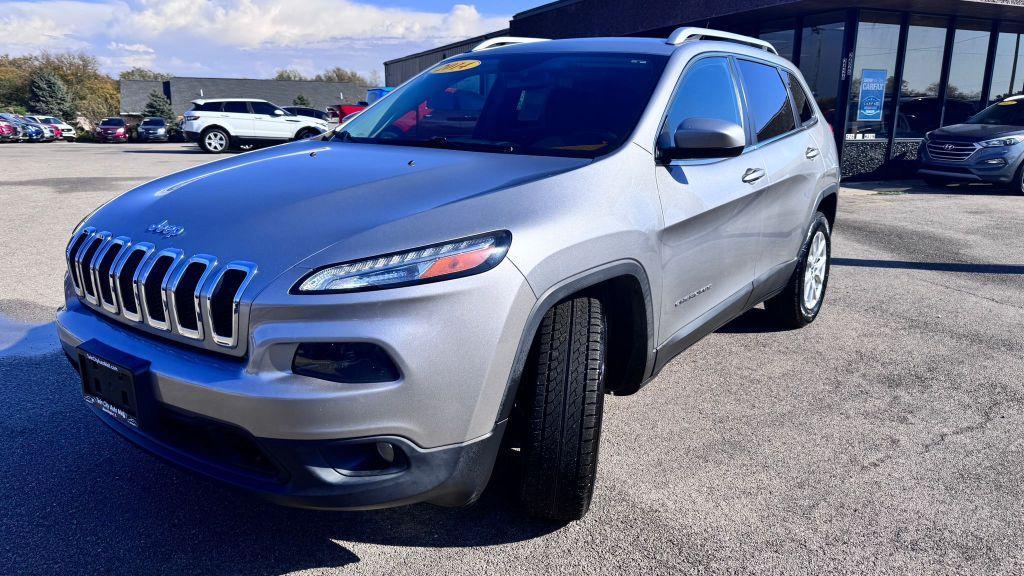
(706, 90)
(208, 107)
(236, 107)
(767, 99)
(263, 108)
(803, 103)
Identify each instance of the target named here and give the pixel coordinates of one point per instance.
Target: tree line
(70, 84)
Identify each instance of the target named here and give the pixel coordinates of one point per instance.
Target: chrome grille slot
(187, 297)
(183, 293)
(71, 256)
(222, 301)
(951, 151)
(85, 265)
(152, 283)
(102, 276)
(127, 274)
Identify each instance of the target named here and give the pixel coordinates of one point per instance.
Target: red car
(111, 130)
(8, 132)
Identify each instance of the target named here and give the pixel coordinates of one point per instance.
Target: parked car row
(18, 128)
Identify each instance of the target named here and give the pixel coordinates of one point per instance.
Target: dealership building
(884, 72)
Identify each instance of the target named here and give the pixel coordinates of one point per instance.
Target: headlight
(1007, 141)
(445, 261)
(161, 130)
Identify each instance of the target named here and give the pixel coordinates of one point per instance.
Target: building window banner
(872, 95)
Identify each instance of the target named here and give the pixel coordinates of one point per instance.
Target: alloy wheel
(814, 271)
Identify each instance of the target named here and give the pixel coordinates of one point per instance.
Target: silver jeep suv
(365, 319)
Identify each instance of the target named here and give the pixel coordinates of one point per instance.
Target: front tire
(214, 141)
(562, 402)
(306, 133)
(800, 301)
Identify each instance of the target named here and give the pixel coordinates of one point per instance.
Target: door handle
(752, 175)
(812, 153)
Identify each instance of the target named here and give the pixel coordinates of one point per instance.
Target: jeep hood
(974, 132)
(278, 206)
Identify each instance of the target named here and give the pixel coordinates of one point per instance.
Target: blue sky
(248, 38)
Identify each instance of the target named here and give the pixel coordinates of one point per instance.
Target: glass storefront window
(1008, 68)
(920, 108)
(821, 59)
(781, 34)
(871, 88)
(966, 70)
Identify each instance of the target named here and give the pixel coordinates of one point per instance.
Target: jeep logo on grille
(166, 230)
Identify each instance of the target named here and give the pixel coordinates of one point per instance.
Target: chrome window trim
(236, 301)
(118, 267)
(176, 256)
(172, 299)
(114, 306)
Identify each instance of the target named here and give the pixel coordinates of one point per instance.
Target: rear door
(237, 118)
(711, 230)
(792, 158)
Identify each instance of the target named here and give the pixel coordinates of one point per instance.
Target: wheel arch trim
(560, 291)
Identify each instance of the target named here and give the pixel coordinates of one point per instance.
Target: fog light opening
(365, 458)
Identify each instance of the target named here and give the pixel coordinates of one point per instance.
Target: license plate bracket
(117, 383)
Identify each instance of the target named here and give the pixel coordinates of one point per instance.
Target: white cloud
(235, 37)
(141, 48)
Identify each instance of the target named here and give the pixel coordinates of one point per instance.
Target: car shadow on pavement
(79, 499)
(753, 321)
(931, 266)
(919, 187)
(195, 150)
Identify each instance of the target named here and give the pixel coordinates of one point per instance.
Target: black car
(311, 112)
(153, 130)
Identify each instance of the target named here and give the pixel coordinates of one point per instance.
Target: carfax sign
(872, 95)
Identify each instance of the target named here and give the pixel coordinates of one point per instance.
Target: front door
(270, 124)
(709, 242)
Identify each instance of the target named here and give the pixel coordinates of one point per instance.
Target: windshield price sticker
(457, 66)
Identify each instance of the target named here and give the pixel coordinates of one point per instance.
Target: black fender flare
(560, 291)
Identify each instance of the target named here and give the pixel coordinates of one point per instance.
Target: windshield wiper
(443, 142)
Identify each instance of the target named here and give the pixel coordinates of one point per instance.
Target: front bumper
(100, 137)
(144, 137)
(442, 412)
(993, 166)
(312, 474)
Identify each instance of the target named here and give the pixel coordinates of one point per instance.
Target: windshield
(1006, 113)
(559, 104)
(153, 122)
(112, 122)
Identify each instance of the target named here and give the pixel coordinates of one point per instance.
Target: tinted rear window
(803, 103)
(767, 99)
(236, 107)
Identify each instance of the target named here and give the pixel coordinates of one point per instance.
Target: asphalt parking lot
(887, 437)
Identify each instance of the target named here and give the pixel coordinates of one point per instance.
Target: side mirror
(278, 112)
(705, 138)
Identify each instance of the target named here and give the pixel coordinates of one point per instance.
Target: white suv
(218, 124)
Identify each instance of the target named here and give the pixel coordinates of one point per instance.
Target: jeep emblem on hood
(166, 230)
